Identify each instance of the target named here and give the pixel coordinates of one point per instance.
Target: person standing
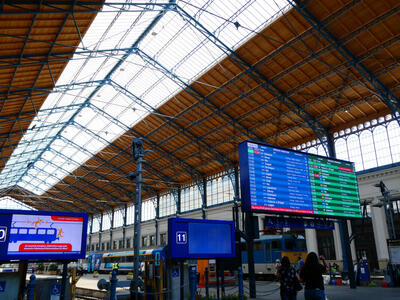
(311, 275)
(300, 264)
(287, 277)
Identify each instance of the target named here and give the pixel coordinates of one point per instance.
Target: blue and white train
(103, 262)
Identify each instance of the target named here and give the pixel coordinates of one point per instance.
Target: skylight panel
(71, 124)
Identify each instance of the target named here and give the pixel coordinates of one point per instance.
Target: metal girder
(290, 45)
(226, 163)
(141, 7)
(195, 174)
(382, 91)
(56, 57)
(70, 194)
(21, 54)
(68, 185)
(113, 167)
(196, 94)
(127, 129)
(319, 129)
(103, 161)
(116, 66)
(37, 77)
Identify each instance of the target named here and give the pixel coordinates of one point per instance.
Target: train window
(41, 231)
(301, 244)
(23, 230)
(276, 244)
(258, 246)
(129, 258)
(290, 244)
(51, 231)
(14, 230)
(32, 231)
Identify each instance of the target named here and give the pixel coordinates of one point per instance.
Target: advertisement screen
(30, 235)
(193, 238)
(280, 180)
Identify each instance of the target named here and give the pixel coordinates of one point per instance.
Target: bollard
(31, 287)
(113, 285)
(240, 279)
(206, 279)
(193, 283)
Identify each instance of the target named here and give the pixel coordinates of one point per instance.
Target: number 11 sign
(181, 237)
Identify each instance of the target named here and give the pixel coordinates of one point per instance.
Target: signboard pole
(137, 151)
(23, 268)
(250, 254)
(64, 280)
(344, 231)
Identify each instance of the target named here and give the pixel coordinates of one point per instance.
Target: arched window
(368, 149)
(353, 145)
(394, 140)
(381, 142)
(148, 210)
(341, 149)
(106, 221)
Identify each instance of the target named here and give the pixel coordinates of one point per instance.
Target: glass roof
(123, 69)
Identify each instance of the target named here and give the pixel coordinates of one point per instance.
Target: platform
(270, 290)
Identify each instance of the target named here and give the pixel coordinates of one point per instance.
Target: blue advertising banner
(42, 235)
(280, 222)
(193, 238)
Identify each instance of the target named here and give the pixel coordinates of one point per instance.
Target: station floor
(270, 290)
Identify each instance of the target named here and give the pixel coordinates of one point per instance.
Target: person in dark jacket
(311, 275)
(287, 277)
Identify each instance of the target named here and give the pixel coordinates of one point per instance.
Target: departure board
(280, 180)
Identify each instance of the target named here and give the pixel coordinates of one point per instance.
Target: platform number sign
(181, 237)
(3, 233)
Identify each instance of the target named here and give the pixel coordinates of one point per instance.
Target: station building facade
(373, 146)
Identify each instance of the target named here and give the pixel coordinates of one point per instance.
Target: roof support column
(343, 228)
(111, 214)
(100, 230)
(157, 208)
(124, 212)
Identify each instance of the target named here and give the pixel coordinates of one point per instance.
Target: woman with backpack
(288, 278)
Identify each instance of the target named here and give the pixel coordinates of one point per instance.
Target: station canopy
(79, 80)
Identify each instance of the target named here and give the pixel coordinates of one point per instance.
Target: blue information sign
(192, 238)
(42, 235)
(279, 222)
(275, 179)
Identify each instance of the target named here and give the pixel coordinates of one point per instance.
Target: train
(47, 235)
(103, 262)
(267, 249)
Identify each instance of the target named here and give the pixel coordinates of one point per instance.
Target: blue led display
(193, 238)
(285, 181)
(42, 235)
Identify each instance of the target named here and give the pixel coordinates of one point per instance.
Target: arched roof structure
(192, 81)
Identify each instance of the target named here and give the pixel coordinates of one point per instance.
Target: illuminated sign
(280, 180)
(193, 238)
(36, 235)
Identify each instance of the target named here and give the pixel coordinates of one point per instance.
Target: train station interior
(82, 81)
